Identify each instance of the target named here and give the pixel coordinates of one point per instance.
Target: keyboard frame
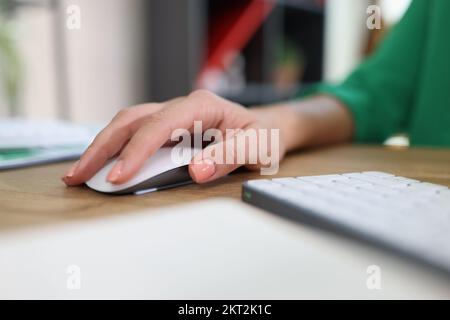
(297, 214)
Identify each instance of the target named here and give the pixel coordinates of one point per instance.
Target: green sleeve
(381, 91)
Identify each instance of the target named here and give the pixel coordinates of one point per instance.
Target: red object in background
(232, 31)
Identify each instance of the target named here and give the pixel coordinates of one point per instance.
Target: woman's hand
(137, 132)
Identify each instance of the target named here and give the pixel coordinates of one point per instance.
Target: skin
(135, 133)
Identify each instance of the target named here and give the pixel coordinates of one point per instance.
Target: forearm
(314, 121)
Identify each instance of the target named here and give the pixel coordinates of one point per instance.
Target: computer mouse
(166, 168)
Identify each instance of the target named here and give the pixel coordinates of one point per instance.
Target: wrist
(285, 118)
(313, 121)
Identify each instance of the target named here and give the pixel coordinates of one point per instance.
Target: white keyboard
(404, 214)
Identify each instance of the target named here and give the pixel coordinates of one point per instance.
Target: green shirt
(405, 86)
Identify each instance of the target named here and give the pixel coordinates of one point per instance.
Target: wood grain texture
(36, 196)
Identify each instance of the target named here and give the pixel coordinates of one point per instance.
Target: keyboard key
(402, 181)
(323, 180)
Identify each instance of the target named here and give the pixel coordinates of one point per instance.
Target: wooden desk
(36, 196)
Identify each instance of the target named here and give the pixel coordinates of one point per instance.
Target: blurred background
(126, 52)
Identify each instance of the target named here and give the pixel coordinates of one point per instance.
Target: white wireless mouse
(167, 168)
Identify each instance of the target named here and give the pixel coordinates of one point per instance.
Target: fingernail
(203, 170)
(116, 171)
(70, 173)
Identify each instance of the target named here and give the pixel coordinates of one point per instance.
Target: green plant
(10, 66)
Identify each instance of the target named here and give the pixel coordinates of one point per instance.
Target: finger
(151, 136)
(107, 143)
